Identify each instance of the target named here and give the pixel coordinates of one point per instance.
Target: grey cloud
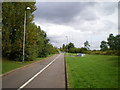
(76, 15)
(88, 16)
(107, 8)
(66, 13)
(57, 40)
(61, 13)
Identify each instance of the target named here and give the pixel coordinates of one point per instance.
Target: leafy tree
(111, 42)
(117, 42)
(63, 47)
(70, 46)
(37, 43)
(51, 49)
(104, 46)
(13, 27)
(114, 42)
(78, 50)
(86, 45)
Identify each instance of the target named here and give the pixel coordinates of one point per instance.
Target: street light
(27, 8)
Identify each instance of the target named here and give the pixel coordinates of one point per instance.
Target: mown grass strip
(8, 65)
(92, 71)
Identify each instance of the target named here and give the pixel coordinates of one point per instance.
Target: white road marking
(37, 74)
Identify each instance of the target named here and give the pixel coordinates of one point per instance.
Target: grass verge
(92, 71)
(8, 65)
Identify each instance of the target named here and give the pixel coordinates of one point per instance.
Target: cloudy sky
(79, 21)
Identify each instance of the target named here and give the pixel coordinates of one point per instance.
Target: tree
(70, 47)
(104, 46)
(86, 45)
(63, 47)
(13, 28)
(117, 42)
(114, 42)
(111, 42)
(37, 43)
(51, 49)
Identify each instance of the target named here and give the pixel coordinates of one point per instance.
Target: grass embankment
(92, 71)
(8, 65)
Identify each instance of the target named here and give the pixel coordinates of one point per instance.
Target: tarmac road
(49, 73)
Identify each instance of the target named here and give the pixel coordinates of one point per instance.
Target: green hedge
(108, 52)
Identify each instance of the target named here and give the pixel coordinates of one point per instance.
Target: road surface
(49, 73)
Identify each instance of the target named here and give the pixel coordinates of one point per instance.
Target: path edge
(28, 65)
(66, 81)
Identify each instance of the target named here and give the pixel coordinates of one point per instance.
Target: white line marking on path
(37, 74)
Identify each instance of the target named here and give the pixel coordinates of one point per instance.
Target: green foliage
(86, 45)
(8, 65)
(0, 17)
(104, 46)
(72, 50)
(70, 47)
(111, 42)
(98, 52)
(112, 46)
(78, 50)
(114, 42)
(63, 47)
(36, 41)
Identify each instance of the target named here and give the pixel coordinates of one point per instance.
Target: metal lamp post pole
(24, 35)
(24, 38)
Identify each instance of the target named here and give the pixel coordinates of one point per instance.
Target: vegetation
(112, 46)
(109, 47)
(107, 52)
(8, 65)
(86, 44)
(104, 46)
(36, 45)
(72, 49)
(92, 71)
(113, 43)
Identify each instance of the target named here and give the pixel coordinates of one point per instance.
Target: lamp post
(28, 8)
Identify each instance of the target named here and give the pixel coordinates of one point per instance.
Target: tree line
(70, 48)
(112, 43)
(37, 43)
(111, 46)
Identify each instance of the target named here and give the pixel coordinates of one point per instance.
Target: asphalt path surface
(49, 73)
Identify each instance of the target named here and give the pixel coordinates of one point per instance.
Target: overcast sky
(80, 21)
